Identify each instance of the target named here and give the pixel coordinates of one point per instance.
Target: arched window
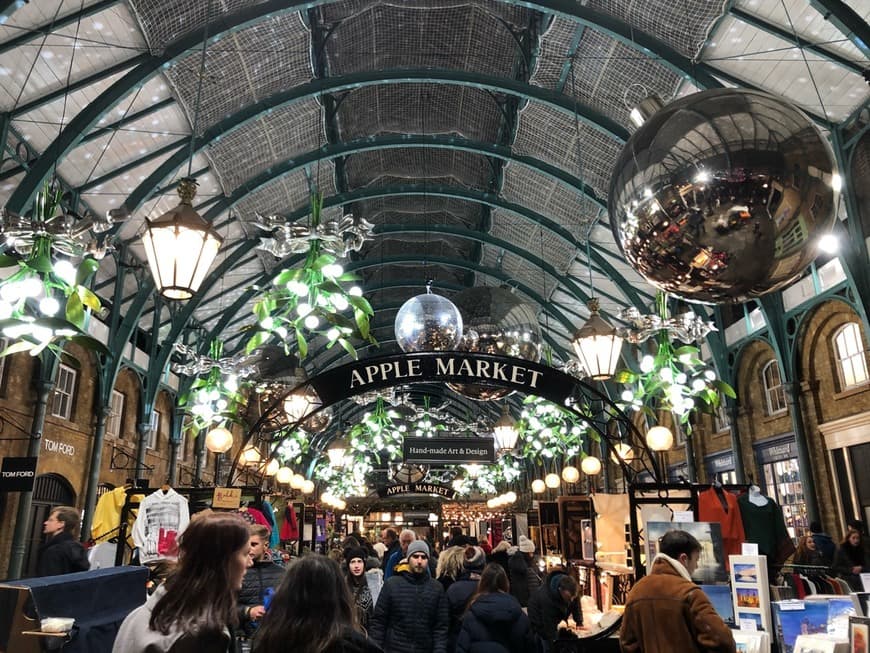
(773, 390)
(851, 359)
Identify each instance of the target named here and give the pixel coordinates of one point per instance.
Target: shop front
(720, 467)
(780, 478)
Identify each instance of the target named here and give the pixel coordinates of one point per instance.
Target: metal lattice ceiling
(478, 135)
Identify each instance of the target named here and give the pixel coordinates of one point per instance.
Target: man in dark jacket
(61, 552)
(553, 603)
(411, 612)
(824, 543)
(390, 538)
(261, 577)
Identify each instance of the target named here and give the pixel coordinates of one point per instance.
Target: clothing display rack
(661, 494)
(199, 498)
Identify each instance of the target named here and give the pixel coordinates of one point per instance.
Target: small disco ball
(721, 196)
(496, 322)
(428, 322)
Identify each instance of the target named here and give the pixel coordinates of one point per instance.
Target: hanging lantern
(597, 345)
(538, 486)
(219, 440)
(570, 474)
(660, 438)
(622, 452)
(301, 403)
(284, 475)
(336, 453)
(251, 455)
(591, 466)
(180, 246)
(552, 481)
(505, 432)
(428, 322)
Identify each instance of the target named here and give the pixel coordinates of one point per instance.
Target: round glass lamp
(272, 467)
(552, 481)
(307, 487)
(284, 475)
(297, 481)
(591, 466)
(570, 474)
(219, 440)
(538, 486)
(660, 438)
(623, 452)
(251, 455)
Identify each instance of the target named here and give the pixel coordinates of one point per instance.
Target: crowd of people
(227, 595)
(846, 560)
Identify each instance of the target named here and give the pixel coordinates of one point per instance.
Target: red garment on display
(289, 529)
(710, 509)
(254, 516)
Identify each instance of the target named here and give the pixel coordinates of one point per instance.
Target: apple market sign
(417, 488)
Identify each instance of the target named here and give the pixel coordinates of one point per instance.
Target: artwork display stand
(751, 592)
(752, 642)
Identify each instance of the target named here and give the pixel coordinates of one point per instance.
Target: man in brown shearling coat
(667, 612)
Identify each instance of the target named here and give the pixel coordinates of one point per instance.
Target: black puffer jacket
(495, 623)
(410, 615)
(523, 576)
(61, 554)
(354, 642)
(458, 595)
(547, 609)
(261, 576)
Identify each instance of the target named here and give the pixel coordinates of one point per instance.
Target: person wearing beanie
(499, 555)
(462, 589)
(523, 572)
(411, 611)
(361, 584)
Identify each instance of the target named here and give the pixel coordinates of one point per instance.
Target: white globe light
(312, 321)
(339, 302)
(32, 287)
(272, 468)
(511, 496)
(49, 306)
(297, 481)
(622, 452)
(490, 503)
(552, 480)
(219, 440)
(66, 271)
(333, 270)
(355, 291)
(307, 487)
(284, 475)
(538, 486)
(570, 474)
(591, 466)
(659, 438)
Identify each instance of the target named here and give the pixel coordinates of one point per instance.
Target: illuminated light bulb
(570, 474)
(698, 385)
(836, 183)
(48, 306)
(829, 244)
(340, 302)
(5, 310)
(355, 291)
(591, 466)
(659, 438)
(221, 404)
(303, 309)
(11, 292)
(710, 375)
(273, 467)
(219, 440)
(284, 475)
(622, 452)
(680, 378)
(312, 321)
(333, 270)
(232, 383)
(511, 496)
(65, 271)
(297, 288)
(627, 395)
(647, 363)
(267, 323)
(552, 481)
(333, 333)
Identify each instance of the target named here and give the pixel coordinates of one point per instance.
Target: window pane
(851, 359)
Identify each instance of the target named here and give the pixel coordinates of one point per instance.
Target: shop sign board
(449, 450)
(227, 497)
(418, 488)
(18, 474)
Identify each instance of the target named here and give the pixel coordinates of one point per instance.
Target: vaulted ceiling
(477, 135)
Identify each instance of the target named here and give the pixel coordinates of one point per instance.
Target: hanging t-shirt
(721, 506)
(765, 526)
(162, 518)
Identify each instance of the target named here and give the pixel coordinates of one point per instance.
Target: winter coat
(825, 545)
(363, 600)
(847, 557)
(395, 546)
(458, 594)
(353, 642)
(135, 635)
(61, 554)
(547, 609)
(495, 623)
(258, 578)
(410, 615)
(523, 576)
(667, 612)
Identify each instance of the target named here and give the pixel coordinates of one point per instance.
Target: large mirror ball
(721, 196)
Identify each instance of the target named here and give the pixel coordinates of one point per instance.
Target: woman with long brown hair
(494, 621)
(312, 612)
(195, 609)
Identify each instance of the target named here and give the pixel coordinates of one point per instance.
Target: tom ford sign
(417, 488)
(448, 367)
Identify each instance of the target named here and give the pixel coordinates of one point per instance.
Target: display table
(98, 600)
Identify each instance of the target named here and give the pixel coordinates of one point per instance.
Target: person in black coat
(460, 592)
(390, 538)
(523, 572)
(553, 603)
(849, 560)
(494, 621)
(61, 553)
(261, 579)
(411, 612)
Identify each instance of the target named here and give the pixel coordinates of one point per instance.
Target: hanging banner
(18, 474)
(418, 488)
(449, 367)
(448, 450)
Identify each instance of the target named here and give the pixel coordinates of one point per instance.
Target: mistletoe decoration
(675, 380)
(45, 302)
(216, 399)
(547, 431)
(311, 300)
